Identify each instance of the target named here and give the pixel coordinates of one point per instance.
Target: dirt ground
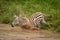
(16, 33)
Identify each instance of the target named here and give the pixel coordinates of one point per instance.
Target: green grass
(27, 7)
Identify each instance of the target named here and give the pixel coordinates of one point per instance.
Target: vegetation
(8, 8)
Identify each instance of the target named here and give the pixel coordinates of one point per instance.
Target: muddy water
(16, 33)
